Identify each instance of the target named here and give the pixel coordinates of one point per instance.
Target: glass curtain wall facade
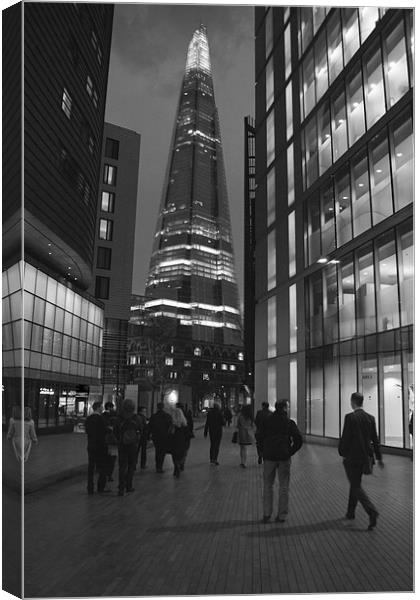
(343, 216)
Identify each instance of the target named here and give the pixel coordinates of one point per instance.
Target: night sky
(148, 54)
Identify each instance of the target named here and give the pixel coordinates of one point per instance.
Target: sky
(148, 53)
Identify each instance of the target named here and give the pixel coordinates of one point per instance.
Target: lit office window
(289, 111)
(343, 207)
(271, 197)
(187, 363)
(308, 84)
(396, 69)
(327, 220)
(335, 48)
(272, 327)
(360, 195)
(324, 138)
(110, 174)
(287, 53)
(89, 85)
(346, 299)
(107, 201)
(368, 16)
(96, 46)
(271, 260)
(387, 286)
(330, 304)
(315, 298)
(105, 229)
(290, 175)
(66, 103)
(351, 40)
(169, 361)
(380, 179)
(224, 367)
(292, 319)
(197, 351)
(402, 173)
(339, 125)
(374, 86)
(271, 383)
(292, 244)
(269, 84)
(314, 230)
(355, 107)
(268, 32)
(321, 67)
(365, 292)
(406, 273)
(293, 389)
(232, 367)
(270, 138)
(311, 152)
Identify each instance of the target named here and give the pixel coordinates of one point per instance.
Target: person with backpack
(281, 439)
(128, 433)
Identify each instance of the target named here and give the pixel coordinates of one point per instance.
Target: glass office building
(192, 276)
(334, 222)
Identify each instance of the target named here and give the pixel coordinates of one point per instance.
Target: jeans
(127, 458)
(354, 472)
(283, 472)
(96, 462)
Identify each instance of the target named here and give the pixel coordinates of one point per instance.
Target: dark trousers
(260, 444)
(215, 439)
(354, 472)
(127, 458)
(142, 453)
(160, 453)
(96, 462)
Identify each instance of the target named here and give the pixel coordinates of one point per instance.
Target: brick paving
(202, 535)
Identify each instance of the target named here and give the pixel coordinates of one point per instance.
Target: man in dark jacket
(128, 430)
(160, 426)
(358, 441)
(96, 447)
(260, 417)
(214, 426)
(281, 439)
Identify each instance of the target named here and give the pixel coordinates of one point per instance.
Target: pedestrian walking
(228, 416)
(358, 445)
(260, 417)
(21, 434)
(189, 432)
(214, 427)
(160, 427)
(177, 438)
(144, 437)
(97, 450)
(110, 416)
(128, 430)
(246, 436)
(281, 439)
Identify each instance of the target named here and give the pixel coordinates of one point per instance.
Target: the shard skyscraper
(192, 274)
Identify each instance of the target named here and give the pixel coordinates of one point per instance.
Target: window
(339, 125)
(232, 367)
(318, 17)
(343, 208)
(66, 103)
(187, 363)
(360, 195)
(368, 17)
(374, 87)
(292, 244)
(346, 299)
(110, 174)
(306, 29)
(206, 377)
(290, 176)
(96, 46)
(289, 111)
(327, 220)
(351, 41)
(406, 272)
(271, 197)
(292, 319)
(224, 367)
(102, 287)
(396, 69)
(269, 84)
(268, 32)
(321, 69)
(197, 351)
(107, 201)
(287, 53)
(92, 91)
(311, 152)
(365, 292)
(308, 84)
(355, 108)
(335, 50)
(315, 307)
(330, 304)
(387, 292)
(112, 148)
(313, 229)
(324, 138)
(271, 260)
(272, 327)
(169, 361)
(105, 229)
(270, 138)
(402, 155)
(103, 258)
(380, 178)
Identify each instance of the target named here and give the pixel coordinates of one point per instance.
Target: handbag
(235, 437)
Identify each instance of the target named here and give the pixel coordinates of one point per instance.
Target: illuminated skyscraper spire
(192, 275)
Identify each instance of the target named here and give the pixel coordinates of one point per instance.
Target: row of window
(72, 112)
(50, 364)
(376, 183)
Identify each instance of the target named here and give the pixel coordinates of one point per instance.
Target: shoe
(280, 520)
(350, 516)
(216, 463)
(373, 517)
(120, 493)
(265, 519)
(259, 460)
(130, 490)
(242, 465)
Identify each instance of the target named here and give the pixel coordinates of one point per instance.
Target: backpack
(129, 432)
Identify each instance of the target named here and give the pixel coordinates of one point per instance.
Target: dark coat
(214, 422)
(96, 428)
(275, 427)
(260, 417)
(355, 447)
(160, 426)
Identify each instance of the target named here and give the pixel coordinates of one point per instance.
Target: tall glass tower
(192, 274)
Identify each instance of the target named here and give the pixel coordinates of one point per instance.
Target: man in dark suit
(214, 425)
(359, 440)
(96, 447)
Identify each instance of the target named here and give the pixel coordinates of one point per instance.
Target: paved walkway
(202, 535)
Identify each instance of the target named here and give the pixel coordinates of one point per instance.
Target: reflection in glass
(321, 67)
(268, 32)
(360, 196)
(293, 389)
(346, 299)
(335, 49)
(343, 208)
(308, 84)
(271, 197)
(287, 53)
(290, 176)
(406, 274)
(365, 292)
(387, 287)
(272, 327)
(327, 220)
(380, 177)
(269, 84)
(351, 40)
(396, 69)
(311, 152)
(292, 319)
(324, 135)
(374, 87)
(339, 125)
(402, 143)
(368, 17)
(355, 107)
(314, 234)
(393, 399)
(270, 138)
(271, 383)
(292, 244)
(271, 260)
(289, 111)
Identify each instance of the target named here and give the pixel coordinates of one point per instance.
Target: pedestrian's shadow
(201, 527)
(281, 529)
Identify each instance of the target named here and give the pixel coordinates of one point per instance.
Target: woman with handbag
(246, 436)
